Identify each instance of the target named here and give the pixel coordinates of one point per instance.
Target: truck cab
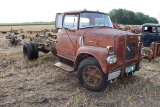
(88, 44)
(150, 40)
(150, 33)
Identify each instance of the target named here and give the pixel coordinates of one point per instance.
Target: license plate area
(130, 69)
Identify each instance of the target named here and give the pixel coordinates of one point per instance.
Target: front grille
(130, 51)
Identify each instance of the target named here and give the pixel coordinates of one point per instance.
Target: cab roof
(151, 24)
(81, 11)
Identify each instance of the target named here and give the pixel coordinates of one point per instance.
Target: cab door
(67, 37)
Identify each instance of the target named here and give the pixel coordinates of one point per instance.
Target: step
(64, 66)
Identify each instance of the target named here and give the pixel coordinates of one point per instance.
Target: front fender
(98, 52)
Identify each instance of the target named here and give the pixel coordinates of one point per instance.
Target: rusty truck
(87, 43)
(150, 40)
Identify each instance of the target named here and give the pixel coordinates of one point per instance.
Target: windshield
(91, 19)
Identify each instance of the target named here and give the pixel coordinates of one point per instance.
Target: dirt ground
(39, 83)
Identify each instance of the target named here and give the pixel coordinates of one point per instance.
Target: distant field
(27, 27)
(27, 23)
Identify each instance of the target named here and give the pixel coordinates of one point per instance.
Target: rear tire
(91, 75)
(35, 50)
(28, 51)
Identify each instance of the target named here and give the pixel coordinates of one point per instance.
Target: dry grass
(40, 84)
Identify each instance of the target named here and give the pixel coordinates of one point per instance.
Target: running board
(64, 66)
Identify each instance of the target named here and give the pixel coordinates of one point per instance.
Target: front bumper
(123, 71)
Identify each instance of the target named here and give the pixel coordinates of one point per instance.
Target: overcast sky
(45, 10)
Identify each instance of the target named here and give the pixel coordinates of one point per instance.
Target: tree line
(124, 16)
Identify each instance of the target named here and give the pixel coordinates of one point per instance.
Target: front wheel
(91, 75)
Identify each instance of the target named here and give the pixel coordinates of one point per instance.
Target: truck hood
(106, 31)
(103, 37)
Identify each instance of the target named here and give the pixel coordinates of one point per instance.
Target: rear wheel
(91, 75)
(28, 51)
(35, 50)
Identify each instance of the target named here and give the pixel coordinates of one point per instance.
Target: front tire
(91, 75)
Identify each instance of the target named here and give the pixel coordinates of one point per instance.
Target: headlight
(111, 59)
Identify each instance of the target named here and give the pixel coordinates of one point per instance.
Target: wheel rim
(92, 75)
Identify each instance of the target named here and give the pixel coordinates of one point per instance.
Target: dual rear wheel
(30, 51)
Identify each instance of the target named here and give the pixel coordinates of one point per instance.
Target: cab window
(150, 29)
(84, 22)
(70, 21)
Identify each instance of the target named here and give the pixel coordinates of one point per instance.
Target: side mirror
(59, 18)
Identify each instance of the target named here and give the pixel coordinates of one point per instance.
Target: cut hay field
(27, 28)
(39, 83)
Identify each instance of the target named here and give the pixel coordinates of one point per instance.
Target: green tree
(124, 16)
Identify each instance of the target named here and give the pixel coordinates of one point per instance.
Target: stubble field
(39, 83)
(27, 28)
